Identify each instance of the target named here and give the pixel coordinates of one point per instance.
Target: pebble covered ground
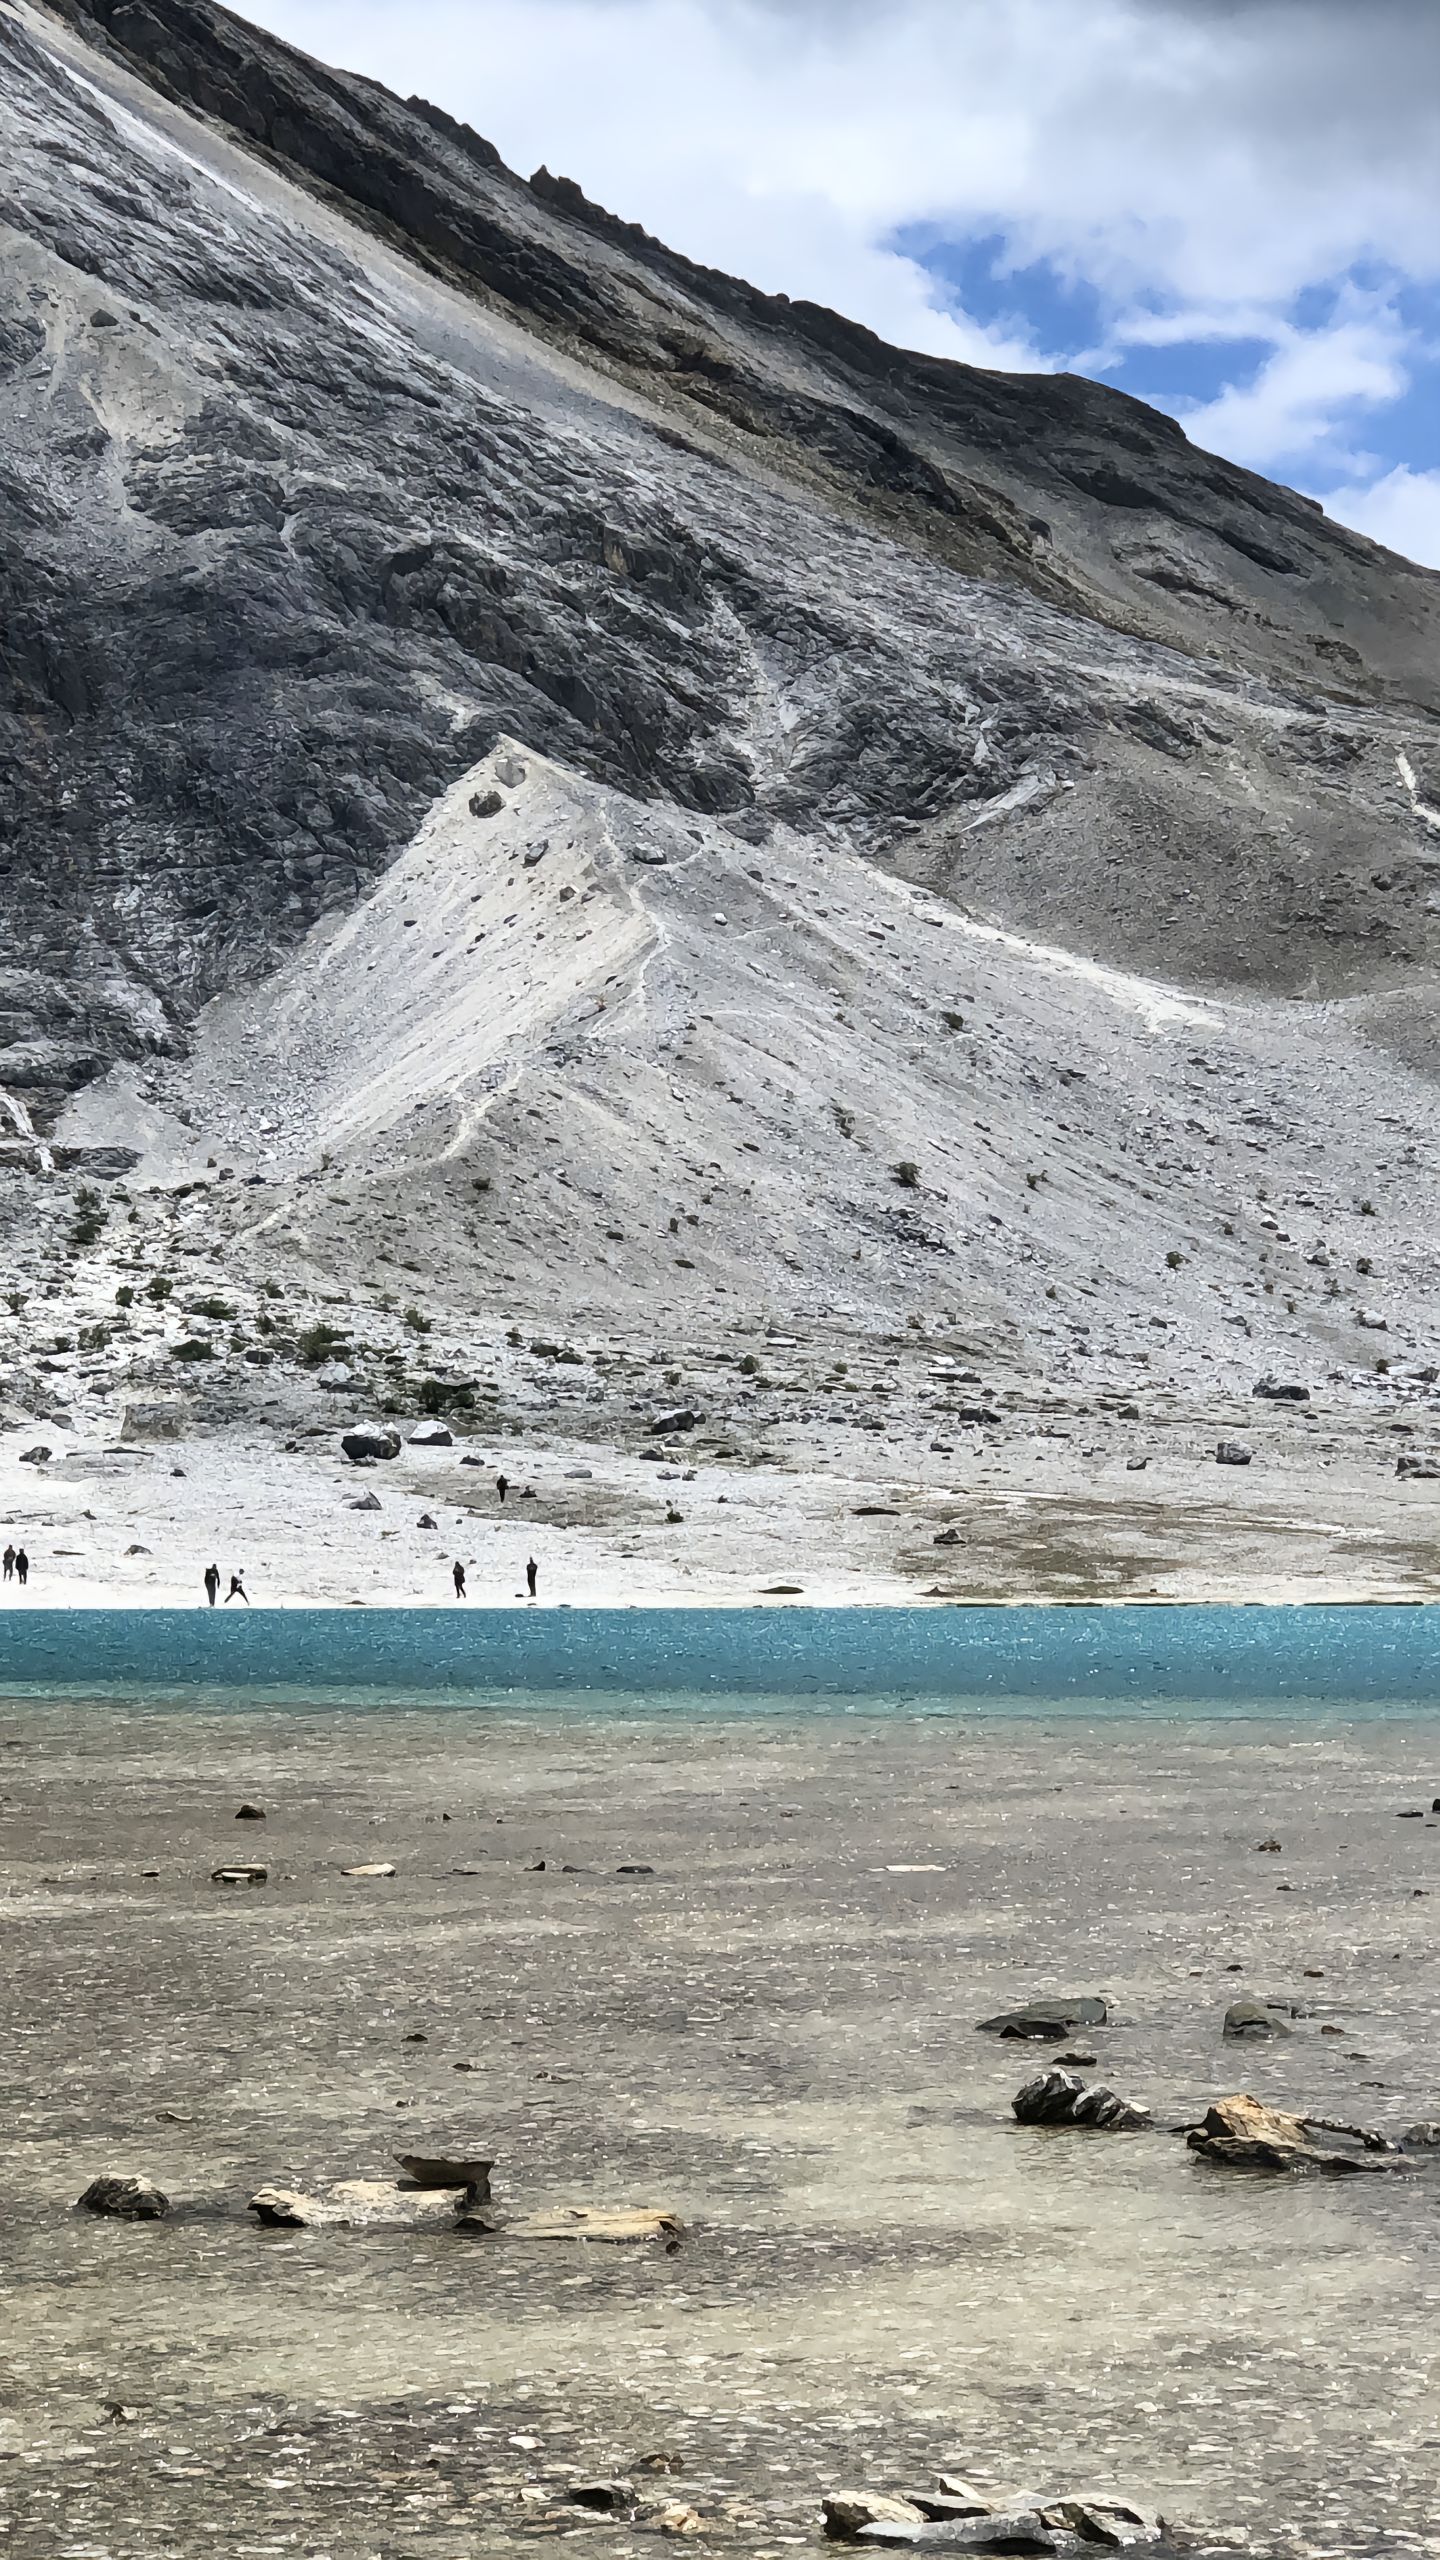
(743, 1984)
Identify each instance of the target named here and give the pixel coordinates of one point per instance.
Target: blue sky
(1228, 207)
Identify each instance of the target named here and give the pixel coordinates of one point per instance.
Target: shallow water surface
(772, 2030)
(1117, 1655)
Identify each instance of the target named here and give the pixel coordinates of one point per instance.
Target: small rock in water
(1240, 2133)
(1253, 2018)
(1057, 2097)
(356, 2204)
(848, 2511)
(622, 2224)
(957, 2498)
(365, 1502)
(376, 1867)
(125, 2199)
(1233, 1453)
(603, 2497)
(443, 2169)
(248, 1874)
(1106, 2520)
(432, 1435)
(251, 1813)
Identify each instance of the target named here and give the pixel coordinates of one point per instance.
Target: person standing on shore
(212, 1583)
(8, 1560)
(237, 1591)
(502, 1486)
(532, 1576)
(457, 1575)
(22, 1567)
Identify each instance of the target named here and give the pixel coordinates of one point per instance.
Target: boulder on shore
(367, 1441)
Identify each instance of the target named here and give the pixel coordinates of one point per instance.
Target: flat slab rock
(447, 2169)
(961, 2518)
(1047, 2021)
(358, 2204)
(597, 2222)
(374, 2204)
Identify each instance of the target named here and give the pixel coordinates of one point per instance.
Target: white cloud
(1197, 162)
(1401, 510)
(1308, 392)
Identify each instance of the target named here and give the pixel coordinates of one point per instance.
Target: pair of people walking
(237, 1590)
(457, 1576)
(16, 1564)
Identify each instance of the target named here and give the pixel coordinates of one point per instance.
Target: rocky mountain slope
(540, 783)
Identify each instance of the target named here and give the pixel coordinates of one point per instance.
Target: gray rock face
(284, 553)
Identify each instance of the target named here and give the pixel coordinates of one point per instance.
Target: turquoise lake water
(1227, 1659)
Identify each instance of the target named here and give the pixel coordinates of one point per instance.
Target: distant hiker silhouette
(22, 1566)
(237, 1591)
(212, 1583)
(532, 1576)
(457, 1575)
(502, 1486)
(8, 1560)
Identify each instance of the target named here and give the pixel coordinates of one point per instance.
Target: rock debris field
(584, 845)
(731, 1974)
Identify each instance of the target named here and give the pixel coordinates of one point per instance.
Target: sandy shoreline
(1039, 1513)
